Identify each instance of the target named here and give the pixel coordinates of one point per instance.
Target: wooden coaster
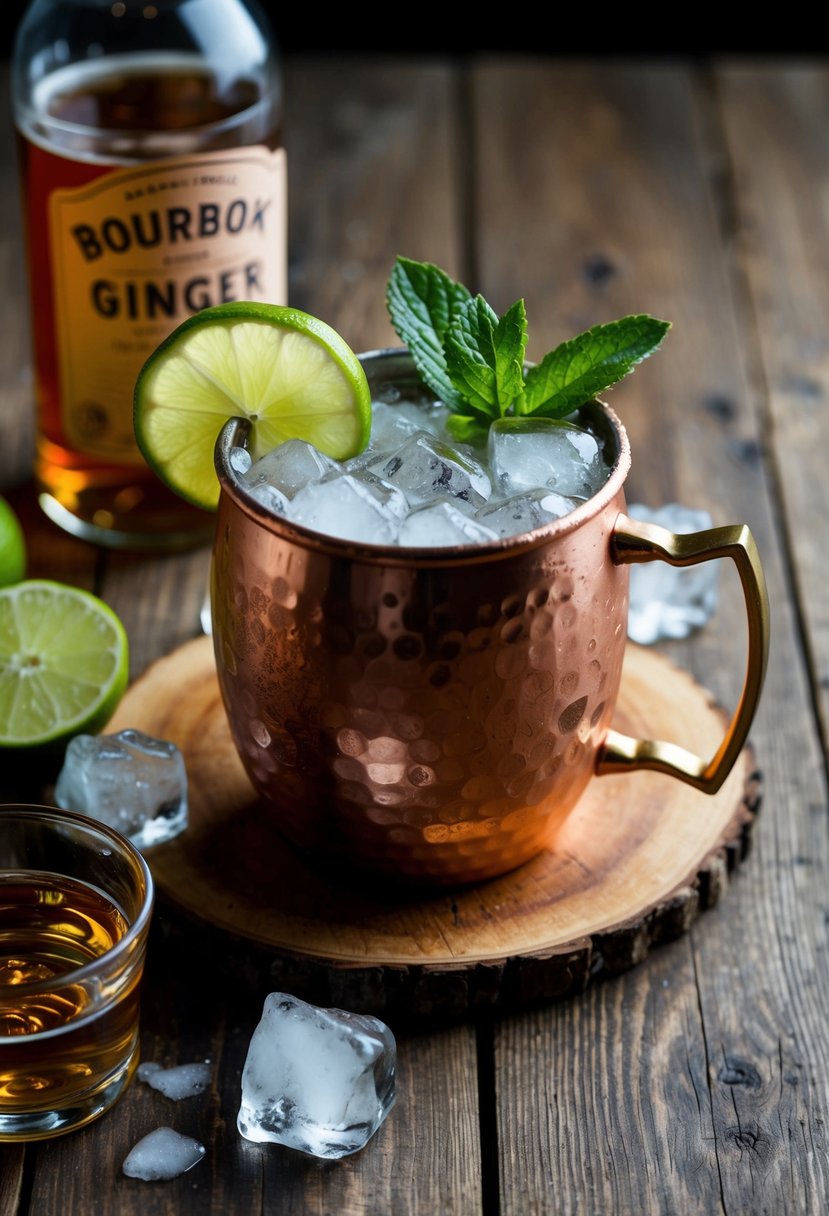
(636, 861)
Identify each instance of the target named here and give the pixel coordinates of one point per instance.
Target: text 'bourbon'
(154, 185)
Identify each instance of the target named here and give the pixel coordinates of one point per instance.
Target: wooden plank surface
(779, 159)
(696, 1083)
(614, 173)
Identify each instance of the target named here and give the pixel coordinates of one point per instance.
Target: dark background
(457, 31)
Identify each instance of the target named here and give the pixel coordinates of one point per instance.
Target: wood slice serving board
(637, 860)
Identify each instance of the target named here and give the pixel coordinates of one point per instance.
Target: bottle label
(137, 251)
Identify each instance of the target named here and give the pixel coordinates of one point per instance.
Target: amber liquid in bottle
(140, 108)
(50, 926)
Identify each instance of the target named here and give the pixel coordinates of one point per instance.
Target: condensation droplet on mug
(591, 645)
(260, 732)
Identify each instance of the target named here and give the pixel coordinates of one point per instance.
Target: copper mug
(436, 713)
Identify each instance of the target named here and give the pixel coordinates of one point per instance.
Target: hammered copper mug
(436, 713)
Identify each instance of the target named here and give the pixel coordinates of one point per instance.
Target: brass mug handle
(633, 541)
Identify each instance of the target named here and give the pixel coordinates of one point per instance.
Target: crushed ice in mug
(131, 781)
(178, 1082)
(162, 1155)
(416, 486)
(317, 1080)
(670, 601)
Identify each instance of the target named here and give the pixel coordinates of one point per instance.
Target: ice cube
(671, 601)
(443, 524)
(182, 1081)
(131, 781)
(240, 460)
(290, 467)
(391, 425)
(528, 453)
(272, 500)
(162, 1155)
(317, 1080)
(351, 509)
(523, 512)
(426, 469)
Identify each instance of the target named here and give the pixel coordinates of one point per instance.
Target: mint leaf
(510, 347)
(423, 302)
(469, 346)
(485, 356)
(589, 363)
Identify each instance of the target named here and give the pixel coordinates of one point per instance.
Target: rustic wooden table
(696, 1082)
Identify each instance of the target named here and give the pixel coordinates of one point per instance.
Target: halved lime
(12, 546)
(289, 373)
(64, 662)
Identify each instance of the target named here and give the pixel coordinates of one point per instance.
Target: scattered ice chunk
(348, 508)
(523, 512)
(289, 467)
(317, 1080)
(162, 1155)
(424, 468)
(530, 452)
(443, 524)
(131, 781)
(240, 460)
(671, 601)
(183, 1081)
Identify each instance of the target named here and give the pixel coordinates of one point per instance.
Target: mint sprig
(474, 361)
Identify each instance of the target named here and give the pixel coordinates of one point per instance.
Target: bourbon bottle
(154, 185)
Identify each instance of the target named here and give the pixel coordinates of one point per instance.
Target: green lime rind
(12, 547)
(64, 663)
(291, 375)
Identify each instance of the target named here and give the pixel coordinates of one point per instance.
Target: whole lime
(12, 547)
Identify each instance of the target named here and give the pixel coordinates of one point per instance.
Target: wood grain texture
(637, 860)
(11, 1177)
(780, 166)
(611, 185)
